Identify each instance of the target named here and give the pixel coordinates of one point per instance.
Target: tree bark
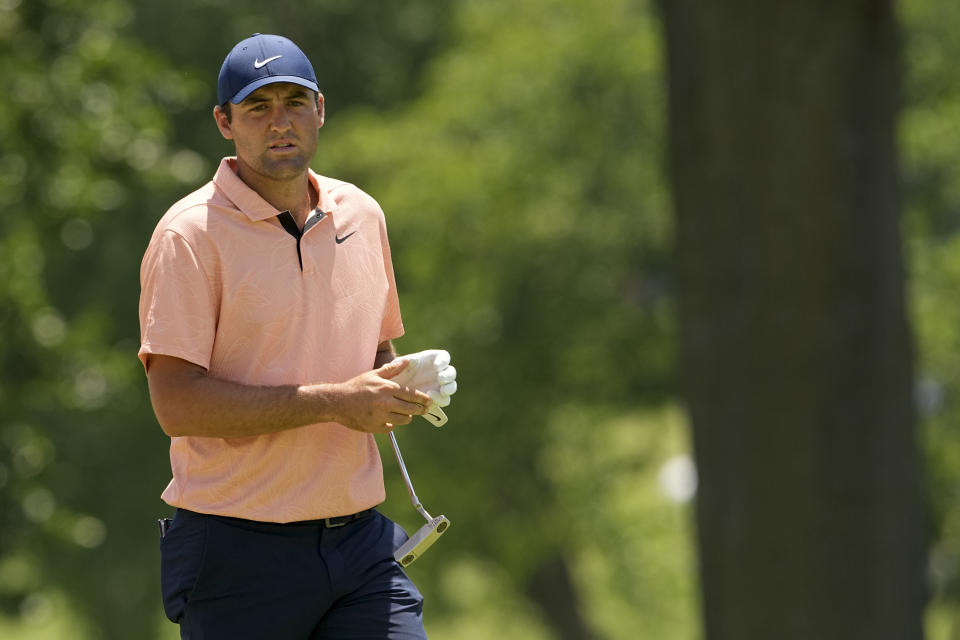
(795, 350)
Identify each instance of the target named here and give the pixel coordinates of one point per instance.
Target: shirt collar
(249, 201)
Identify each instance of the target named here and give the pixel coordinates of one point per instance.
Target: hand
(430, 371)
(374, 402)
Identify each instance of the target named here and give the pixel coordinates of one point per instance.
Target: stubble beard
(287, 168)
(283, 168)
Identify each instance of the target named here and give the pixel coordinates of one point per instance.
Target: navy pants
(228, 578)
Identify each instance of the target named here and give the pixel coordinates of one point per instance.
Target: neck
(295, 195)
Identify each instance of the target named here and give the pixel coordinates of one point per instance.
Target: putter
(428, 533)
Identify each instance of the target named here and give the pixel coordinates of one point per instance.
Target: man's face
(274, 129)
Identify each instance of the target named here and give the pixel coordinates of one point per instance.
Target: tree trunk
(551, 588)
(796, 355)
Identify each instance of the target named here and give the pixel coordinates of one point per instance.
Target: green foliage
(932, 208)
(530, 233)
(86, 150)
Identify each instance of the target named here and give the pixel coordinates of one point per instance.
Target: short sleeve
(178, 303)
(392, 325)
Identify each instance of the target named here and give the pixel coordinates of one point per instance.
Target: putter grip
(435, 416)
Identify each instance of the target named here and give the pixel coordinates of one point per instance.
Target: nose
(279, 118)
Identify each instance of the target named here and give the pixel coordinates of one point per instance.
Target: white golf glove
(430, 371)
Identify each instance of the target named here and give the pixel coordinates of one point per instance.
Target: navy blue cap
(260, 60)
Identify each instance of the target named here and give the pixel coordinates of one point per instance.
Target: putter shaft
(421, 540)
(406, 480)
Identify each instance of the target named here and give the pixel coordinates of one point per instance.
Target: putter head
(421, 541)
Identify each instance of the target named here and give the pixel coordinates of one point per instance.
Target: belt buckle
(328, 522)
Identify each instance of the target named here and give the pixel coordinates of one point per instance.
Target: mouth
(282, 146)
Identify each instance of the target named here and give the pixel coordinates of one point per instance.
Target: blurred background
(520, 151)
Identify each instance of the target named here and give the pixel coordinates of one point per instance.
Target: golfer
(267, 310)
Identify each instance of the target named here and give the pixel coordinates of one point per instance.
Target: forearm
(188, 402)
(204, 406)
(385, 353)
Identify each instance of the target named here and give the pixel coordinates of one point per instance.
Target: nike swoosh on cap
(258, 65)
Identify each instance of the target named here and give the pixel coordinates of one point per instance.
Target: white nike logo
(257, 64)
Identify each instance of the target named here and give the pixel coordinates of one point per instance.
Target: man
(268, 307)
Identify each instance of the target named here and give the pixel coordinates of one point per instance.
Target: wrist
(324, 402)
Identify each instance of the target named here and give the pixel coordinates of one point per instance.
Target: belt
(339, 521)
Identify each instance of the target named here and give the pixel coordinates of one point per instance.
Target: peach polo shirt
(224, 285)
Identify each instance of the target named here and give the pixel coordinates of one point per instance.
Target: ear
(320, 111)
(220, 117)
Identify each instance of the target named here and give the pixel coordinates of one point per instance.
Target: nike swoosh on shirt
(340, 240)
(257, 64)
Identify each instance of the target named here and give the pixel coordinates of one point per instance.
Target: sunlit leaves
(928, 131)
(85, 141)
